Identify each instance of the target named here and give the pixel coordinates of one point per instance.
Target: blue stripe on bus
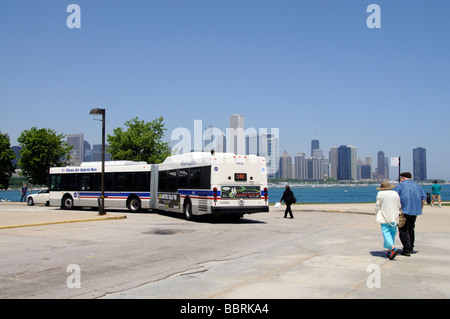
(83, 194)
(186, 192)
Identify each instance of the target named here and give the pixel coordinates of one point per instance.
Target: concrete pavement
(345, 259)
(21, 215)
(353, 264)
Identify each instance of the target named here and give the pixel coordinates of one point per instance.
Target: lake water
(14, 196)
(341, 194)
(305, 194)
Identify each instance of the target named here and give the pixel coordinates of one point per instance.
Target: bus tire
(187, 210)
(67, 202)
(134, 204)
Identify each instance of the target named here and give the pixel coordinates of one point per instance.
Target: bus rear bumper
(218, 210)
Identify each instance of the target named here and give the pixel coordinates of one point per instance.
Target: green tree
(140, 142)
(41, 149)
(6, 157)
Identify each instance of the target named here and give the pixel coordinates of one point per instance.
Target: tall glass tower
(237, 138)
(420, 164)
(314, 146)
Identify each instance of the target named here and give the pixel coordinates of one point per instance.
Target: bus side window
(162, 181)
(195, 177)
(172, 181)
(55, 183)
(98, 182)
(206, 177)
(123, 181)
(183, 178)
(69, 182)
(87, 182)
(109, 181)
(141, 181)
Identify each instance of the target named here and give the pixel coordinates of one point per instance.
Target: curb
(63, 222)
(342, 211)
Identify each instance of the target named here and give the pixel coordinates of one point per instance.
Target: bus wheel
(187, 210)
(67, 202)
(134, 204)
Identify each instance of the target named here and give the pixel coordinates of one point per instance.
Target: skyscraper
(77, 151)
(334, 161)
(266, 145)
(285, 170)
(380, 165)
(420, 164)
(236, 139)
(314, 146)
(214, 139)
(366, 172)
(353, 162)
(300, 169)
(346, 168)
(256, 144)
(273, 153)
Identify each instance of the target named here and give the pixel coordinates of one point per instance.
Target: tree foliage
(6, 157)
(141, 141)
(41, 149)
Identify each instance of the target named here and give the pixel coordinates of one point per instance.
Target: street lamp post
(102, 112)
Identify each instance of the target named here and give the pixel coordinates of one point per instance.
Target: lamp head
(97, 111)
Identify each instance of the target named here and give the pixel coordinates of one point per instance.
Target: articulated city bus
(193, 184)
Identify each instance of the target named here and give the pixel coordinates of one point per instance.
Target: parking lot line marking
(63, 222)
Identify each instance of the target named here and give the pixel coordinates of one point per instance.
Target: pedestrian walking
(23, 191)
(412, 199)
(387, 210)
(289, 199)
(435, 193)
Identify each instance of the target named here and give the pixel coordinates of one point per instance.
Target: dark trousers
(406, 233)
(288, 210)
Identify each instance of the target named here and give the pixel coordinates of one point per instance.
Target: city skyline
(311, 69)
(340, 163)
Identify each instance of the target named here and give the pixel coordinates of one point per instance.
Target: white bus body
(196, 183)
(127, 185)
(217, 184)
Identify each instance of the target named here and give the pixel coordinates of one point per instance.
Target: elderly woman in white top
(387, 210)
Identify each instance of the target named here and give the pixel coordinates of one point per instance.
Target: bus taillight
(215, 194)
(265, 193)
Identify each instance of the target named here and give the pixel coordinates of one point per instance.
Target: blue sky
(311, 68)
